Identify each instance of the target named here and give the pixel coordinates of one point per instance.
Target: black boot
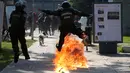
(86, 48)
(58, 47)
(27, 57)
(16, 57)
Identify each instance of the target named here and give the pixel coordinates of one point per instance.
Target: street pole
(32, 28)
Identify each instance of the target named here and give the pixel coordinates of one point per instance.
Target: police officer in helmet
(17, 31)
(67, 14)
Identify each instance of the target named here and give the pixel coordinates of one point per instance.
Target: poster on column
(1, 18)
(107, 22)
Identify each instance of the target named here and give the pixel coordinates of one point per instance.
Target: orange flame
(71, 56)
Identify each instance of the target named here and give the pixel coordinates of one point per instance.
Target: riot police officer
(17, 31)
(66, 14)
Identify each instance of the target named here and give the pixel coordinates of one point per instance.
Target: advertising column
(107, 26)
(1, 20)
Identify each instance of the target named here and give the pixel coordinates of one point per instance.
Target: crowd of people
(47, 24)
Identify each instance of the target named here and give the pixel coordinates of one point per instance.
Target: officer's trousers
(15, 37)
(65, 30)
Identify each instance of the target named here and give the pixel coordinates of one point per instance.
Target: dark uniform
(17, 31)
(67, 16)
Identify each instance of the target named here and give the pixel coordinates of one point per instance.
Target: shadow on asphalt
(118, 55)
(45, 65)
(46, 55)
(100, 69)
(52, 37)
(38, 65)
(92, 45)
(125, 67)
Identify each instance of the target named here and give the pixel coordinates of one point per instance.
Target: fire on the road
(71, 56)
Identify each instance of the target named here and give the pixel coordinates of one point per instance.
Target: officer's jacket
(17, 20)
(66, 15)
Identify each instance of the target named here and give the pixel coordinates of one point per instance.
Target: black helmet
(20, 5)
(66, 4)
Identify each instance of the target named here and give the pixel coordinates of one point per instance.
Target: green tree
(82, 5)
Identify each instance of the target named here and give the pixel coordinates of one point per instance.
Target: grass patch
(119, 49)
(6, 54)
(126, 41)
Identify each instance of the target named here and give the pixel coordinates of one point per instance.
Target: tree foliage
(82, 5)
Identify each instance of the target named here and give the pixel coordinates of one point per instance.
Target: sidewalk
(42, 63)
(39, 62)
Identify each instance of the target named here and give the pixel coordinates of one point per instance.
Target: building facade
(36, 4)
(42, 4)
